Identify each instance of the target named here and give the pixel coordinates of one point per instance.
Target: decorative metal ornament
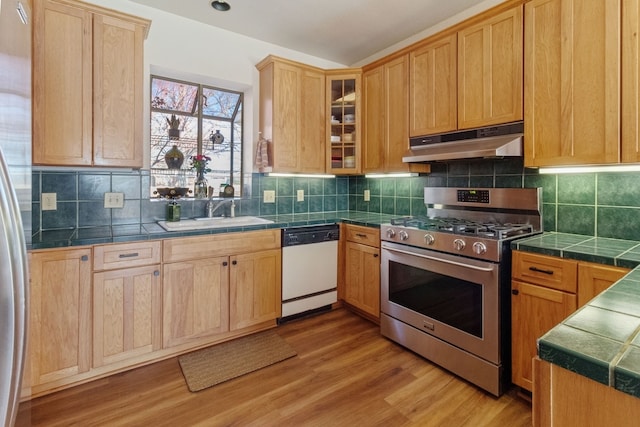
(217, 137)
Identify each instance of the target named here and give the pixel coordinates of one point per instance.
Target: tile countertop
(601, 340)
(149, 231)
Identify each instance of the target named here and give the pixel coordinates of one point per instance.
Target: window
(207, 120)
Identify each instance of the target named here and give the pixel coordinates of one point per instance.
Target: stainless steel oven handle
(459, 264)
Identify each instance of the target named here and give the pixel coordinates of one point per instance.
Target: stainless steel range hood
(495, 141)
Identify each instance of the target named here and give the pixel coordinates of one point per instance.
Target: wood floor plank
(345, 374)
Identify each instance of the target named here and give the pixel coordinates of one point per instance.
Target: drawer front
(548, 271)
(364, 235)
(223, 244)
(125, 255)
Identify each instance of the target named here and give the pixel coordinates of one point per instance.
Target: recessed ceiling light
(220, 5)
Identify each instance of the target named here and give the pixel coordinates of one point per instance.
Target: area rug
(219, 363)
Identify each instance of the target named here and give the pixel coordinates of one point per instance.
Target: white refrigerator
(15, 197)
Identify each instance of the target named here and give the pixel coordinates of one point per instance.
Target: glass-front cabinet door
(343, 129)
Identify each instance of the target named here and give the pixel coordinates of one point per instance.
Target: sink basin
(215, 222)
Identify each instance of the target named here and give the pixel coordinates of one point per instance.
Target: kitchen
(582, 204)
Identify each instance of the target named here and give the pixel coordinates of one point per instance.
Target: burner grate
(491, 230)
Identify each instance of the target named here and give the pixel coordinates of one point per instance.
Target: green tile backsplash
(595, 204)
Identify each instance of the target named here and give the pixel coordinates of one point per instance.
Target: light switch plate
(49, 202)
(269, 196)
(113, 200)
(367, 195)
(300, 195)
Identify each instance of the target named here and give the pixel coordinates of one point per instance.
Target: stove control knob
(391, 233)
(479, 248)
(429, 239)
(459, 244)
(403, 235)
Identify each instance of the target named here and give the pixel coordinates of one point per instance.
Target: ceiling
(341, 31)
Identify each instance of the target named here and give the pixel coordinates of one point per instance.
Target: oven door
(453, 298)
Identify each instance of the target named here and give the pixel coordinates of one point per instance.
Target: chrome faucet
(211, 207)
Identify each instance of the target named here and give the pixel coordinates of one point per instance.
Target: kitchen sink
(215, 222)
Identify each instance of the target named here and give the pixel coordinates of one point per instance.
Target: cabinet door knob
(156, 273)
(84, 258)
(225, 263)
(234, 262)
(375, 255)
(515, 291)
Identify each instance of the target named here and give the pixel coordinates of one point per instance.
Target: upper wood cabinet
(343, 136)
(433, 103)
(292, 115)
(572, 82)
(490, 71)
(386, 116)
(87, 92)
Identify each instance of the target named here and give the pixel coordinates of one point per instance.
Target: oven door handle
(458, 264)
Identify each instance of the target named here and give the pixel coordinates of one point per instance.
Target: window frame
(197, 112)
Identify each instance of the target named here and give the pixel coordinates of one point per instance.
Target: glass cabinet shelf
(344, 138)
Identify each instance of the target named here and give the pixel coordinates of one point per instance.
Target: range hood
(496, 141)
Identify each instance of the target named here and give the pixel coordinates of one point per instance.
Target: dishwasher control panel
(310, 234)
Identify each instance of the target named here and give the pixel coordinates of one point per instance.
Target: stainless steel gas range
(445, 278)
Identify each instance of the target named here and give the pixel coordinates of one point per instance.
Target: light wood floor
(345, 374)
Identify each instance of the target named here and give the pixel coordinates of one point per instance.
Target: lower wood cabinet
(195, 298)
(127, 302)
(59, 340)
(535, 310)
(546, 290)
(362, 270)
(127, 314)
(564, 398)
(255, 288)
(95, 311)
(220, 283)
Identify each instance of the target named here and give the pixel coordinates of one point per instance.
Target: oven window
(449, 300)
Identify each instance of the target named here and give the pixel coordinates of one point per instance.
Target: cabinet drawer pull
(515, 291)
(84, 258)
(131, 255)
(362, 236)
(539, 270)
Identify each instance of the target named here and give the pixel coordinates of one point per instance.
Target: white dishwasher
(309, 268)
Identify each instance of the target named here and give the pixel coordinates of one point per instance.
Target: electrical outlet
(113, 200)
(367, 195)
(269, 196)
(49, 202)
(300, 195)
